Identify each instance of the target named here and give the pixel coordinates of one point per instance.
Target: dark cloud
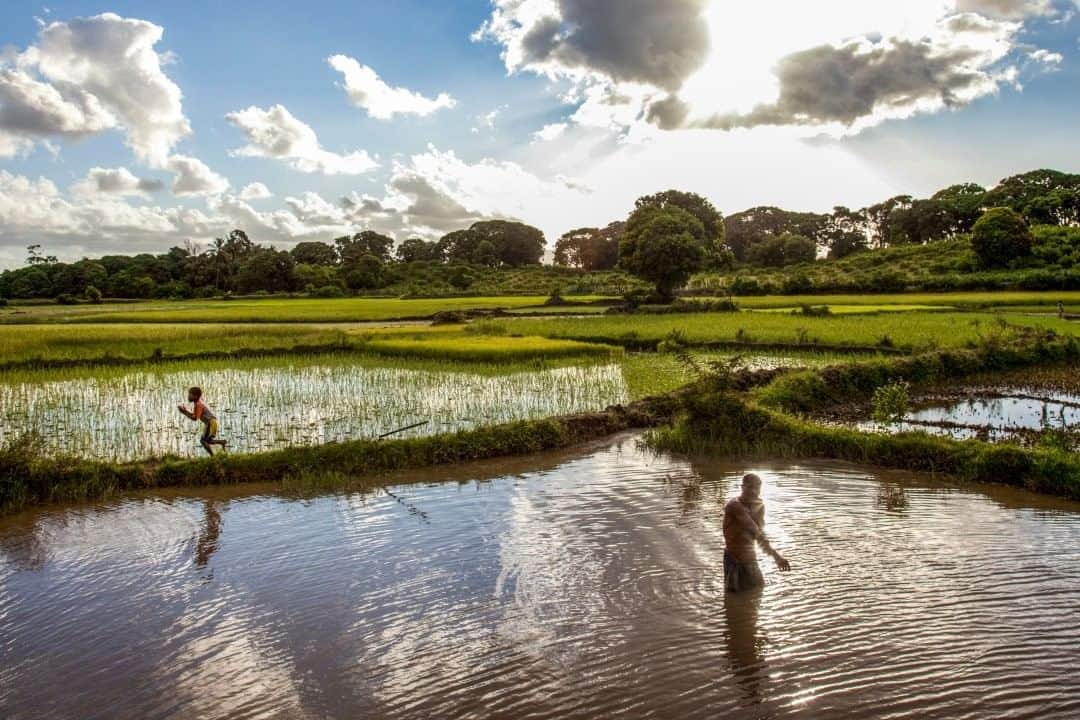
(658, 43)
(844, 84)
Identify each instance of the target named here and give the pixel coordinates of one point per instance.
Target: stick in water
(403, 429)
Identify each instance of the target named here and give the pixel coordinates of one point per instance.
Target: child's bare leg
(206, 446)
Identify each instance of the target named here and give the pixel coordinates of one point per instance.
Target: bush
(1000, 237)
(93, 294)
(328, 291)
(66, 299)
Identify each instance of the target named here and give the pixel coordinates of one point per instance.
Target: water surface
(580, 584)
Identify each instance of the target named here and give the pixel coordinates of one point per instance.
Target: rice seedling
(124, 416)
(479, 348)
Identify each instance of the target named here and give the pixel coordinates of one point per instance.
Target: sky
(136, 126)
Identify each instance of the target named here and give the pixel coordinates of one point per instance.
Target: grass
(269, 310)
(908, 331)
(480, 348)
(856, 309)
(966, 300)
(60, 342)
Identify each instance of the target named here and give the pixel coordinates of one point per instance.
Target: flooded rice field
(134, 415)
(994, 414)
(580, 584)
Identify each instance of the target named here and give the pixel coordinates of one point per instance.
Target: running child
(201, 412)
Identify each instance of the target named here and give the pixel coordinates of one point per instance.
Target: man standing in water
(744, 526)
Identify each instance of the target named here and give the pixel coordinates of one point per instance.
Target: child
(199, 411)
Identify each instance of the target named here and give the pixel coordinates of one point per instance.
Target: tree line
(667, 237)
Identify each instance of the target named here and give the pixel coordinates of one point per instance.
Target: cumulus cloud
(255, 191)
(550, 131)
(1006, 9)
(92, 74)
(367, 90)
(116, 181)
(275, 133)
(435, 192)
(95, 223)
(193, 177)
(639, 41)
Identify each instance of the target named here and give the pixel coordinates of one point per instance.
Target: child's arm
(186, 412)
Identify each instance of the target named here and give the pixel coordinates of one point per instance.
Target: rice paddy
(909, 331)
(268, 310)
(133, 415)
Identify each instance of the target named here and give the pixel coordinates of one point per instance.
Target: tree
(34, 256)
(366, 273)
(1001, 236)
(267, 270)
(418, 250)
(780, 250)
(515, 244)
(590, 248)
(314, 253)
(368, 242)
(710, 218)
(750, 227)
(664, 246)
(485, 254)
(845, 232)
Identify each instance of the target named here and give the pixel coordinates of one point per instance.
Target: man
(744, 523)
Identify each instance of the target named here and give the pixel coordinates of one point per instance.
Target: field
(269, 310)
(909, 331)
(290, 375)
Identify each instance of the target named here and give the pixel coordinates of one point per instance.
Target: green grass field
(480, 348)
(961, 300)
(906, 331)
(270, 310)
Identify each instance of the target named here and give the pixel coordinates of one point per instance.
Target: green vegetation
(1001, 237)
(763, 423)
(478, 348)
(910, 331)
(270, 310)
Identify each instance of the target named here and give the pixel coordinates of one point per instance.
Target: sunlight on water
(578, 584)
(135, 415)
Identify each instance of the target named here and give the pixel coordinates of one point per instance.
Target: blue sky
(764, 103)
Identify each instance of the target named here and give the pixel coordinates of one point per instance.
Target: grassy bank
(765, 422)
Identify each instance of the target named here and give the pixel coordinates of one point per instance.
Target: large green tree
(590, 248)
(664, 246)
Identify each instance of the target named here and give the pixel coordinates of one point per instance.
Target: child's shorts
(211, 431)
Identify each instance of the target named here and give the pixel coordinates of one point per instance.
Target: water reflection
(577, 584)
(746, 644)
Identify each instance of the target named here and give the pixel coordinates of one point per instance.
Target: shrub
(93, 294)
(1000, 237)
(66, 299)
(328, 291)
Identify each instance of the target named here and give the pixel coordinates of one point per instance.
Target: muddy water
(581, 585)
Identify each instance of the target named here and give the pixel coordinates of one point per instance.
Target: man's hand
(781, 562)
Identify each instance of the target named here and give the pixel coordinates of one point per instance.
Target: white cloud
(92, 74)
(382, 101)
(193, 177)
(95, 223)
(255, 191)
(275, 133)
(116, 181)
(550, 132)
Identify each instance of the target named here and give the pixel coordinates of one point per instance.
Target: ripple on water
(568, 585)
